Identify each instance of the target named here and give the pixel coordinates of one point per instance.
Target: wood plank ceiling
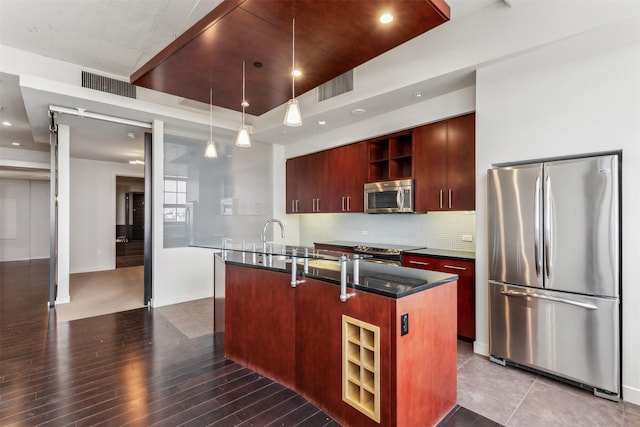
(331, 38)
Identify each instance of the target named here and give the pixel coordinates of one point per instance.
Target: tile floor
(505, 395)
(514, 397)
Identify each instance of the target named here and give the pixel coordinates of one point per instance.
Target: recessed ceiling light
(131, 135)
(418, 94)
(17, 144)
(322, 122)
(296, 73)
(6, 123)
(385, 18)
(358, 111)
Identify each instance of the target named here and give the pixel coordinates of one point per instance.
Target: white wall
(25, 233)
(39, 219)
(93, 213)
(576, 96)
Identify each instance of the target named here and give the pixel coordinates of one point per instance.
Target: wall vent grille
(341, 84)
(107, 84)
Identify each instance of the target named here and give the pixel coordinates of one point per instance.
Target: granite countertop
(389, 281)
(414, 250)
(443, 253)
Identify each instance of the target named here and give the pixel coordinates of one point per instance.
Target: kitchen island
(385, 356)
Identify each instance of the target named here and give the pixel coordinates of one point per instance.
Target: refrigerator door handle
(536, 229)
(548, 228)
(549, 298)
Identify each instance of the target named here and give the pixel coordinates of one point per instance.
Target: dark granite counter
(443, 253)
(389, 281)
(407, 249)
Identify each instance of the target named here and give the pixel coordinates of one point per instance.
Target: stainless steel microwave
(389, 196)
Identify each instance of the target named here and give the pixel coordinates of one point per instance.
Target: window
(175, 198)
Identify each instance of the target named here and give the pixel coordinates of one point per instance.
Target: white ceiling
(117, 37)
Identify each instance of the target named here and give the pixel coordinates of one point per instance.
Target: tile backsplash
(439, 230)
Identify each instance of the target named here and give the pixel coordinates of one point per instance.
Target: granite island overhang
(384, 356)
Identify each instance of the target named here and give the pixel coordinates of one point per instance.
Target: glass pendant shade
(243, 139)
(292, 116)
(211, 152)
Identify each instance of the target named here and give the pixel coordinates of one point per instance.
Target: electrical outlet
(404, 324)
(364, 232)
(467, 238)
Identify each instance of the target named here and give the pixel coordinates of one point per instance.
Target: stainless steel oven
(389, 196)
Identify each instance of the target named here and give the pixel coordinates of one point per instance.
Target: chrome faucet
(263, 238)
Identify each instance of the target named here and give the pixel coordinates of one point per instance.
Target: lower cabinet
(466, 286)
(260, 318)
(295, 336)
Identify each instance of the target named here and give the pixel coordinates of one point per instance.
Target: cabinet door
(306, 186)
(466, 286)
(323, 187)
(461, 163)
(430, 166)
(292, 186)
(349, 171)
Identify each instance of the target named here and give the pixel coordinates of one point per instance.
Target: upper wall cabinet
(329, 181)
(444, 165)
(440, 157)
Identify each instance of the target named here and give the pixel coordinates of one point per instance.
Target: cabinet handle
(441, 198)
(349, 203)
(293, 205)
(317, 205)
(343, 204)
(418, 262)
(455, 267)
(450, 193)
(313, 205)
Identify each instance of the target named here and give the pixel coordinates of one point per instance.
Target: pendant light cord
(210, 114)
(293, 61)
(244, 101)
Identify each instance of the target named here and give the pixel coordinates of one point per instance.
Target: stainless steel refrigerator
(554, 269)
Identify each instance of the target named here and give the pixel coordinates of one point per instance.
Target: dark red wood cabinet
(465, 270)
(329, 181)
(444, 165)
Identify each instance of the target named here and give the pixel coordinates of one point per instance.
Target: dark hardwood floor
(130, 368)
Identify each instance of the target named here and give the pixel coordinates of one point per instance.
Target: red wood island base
(350, 359)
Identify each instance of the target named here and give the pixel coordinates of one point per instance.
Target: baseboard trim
(481, 348)
(631, 394)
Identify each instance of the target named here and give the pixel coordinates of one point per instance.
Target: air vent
(341, 84)
(107, 84)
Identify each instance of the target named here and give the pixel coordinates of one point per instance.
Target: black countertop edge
(441, 253)
(388, 281)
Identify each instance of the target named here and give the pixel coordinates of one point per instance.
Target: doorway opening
(130, 216)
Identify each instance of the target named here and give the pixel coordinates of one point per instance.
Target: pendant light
(211, 152)
(243, 139)
(293, 117)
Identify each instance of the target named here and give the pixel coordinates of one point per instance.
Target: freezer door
(581, 226)
(514, 199)
(572, 336)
